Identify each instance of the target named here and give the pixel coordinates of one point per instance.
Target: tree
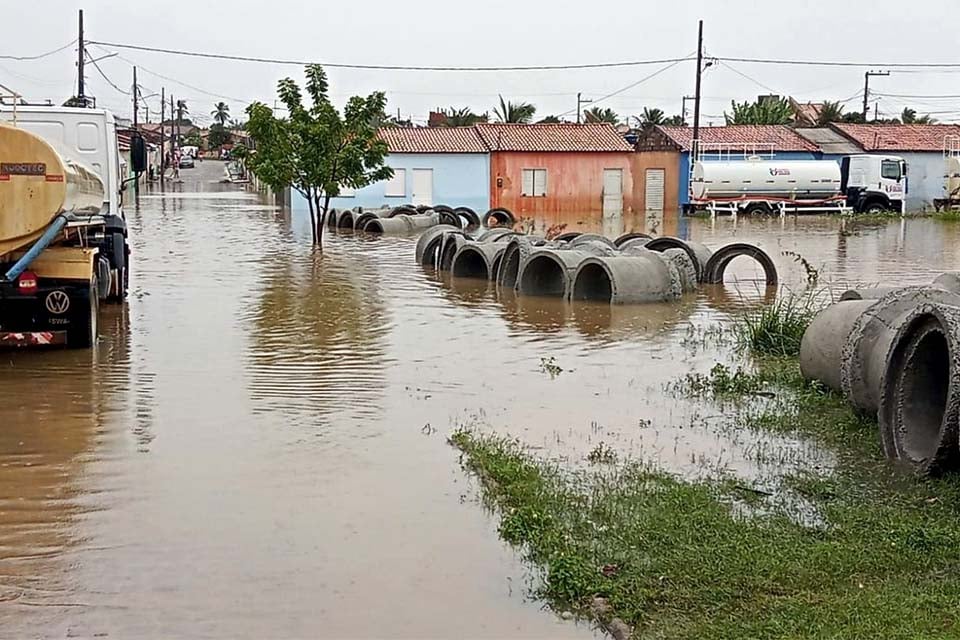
(550, 120)
(650, 117)
(464, 117)
(830, 112)
(854, 117)
(909, 116)
(194, 139)
(221, 113)
(767, 110)
(218, 136)
(598, 114)
(520, 112)
(182, 109)
(314, 149)
(674, 121)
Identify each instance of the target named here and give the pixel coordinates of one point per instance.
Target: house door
(612, 192)
(654, 188)
(422, 186)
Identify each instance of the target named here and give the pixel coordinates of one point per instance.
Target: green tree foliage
(221, 113)
(314, 149)
(674, 121)
(194, 139)
(909, 116)
(830, 112)
(218, 136)
(599, 114)
(763, 111)
(854, 117)
(651, 116)
(520, 112)
(464, 117)
(550, 120)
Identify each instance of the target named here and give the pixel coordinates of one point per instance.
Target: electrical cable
(629, 86)
(39, 56)
(109, 81)
(385, 67)
(834, 63)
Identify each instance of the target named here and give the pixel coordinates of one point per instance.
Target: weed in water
(777, 329)
(550, 366)
(813, 274)
(602, 454)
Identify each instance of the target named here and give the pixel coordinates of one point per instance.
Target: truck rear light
(27, 283)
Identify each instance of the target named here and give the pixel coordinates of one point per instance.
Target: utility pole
(80, 57)
(163, 152)
(866, 89)
(581, 101)
(696, 96)
(173, 137)
(136, 126)
(683, 110)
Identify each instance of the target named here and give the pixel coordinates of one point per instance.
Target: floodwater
(257, 446)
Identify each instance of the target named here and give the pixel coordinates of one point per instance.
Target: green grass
(675, 560)
(777, 329)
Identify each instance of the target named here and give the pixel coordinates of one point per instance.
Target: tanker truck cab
(874, 183)
(63, 236)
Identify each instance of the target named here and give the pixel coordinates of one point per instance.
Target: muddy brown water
(256, 448)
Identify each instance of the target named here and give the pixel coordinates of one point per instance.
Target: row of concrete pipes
(634, 268)
(407, 219)
(894, 353)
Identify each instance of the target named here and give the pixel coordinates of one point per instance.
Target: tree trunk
(313, 216)
(322, 219)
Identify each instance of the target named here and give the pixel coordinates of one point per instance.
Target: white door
(612, 192)
(422, 186)
(654, 189)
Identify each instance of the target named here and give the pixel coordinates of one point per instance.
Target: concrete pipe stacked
(896, 356)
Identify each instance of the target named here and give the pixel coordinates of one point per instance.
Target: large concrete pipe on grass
(477, 260)
(717, 265)
(821, 349)
(549, 272)
(429, 243)
(627, 279)
(919, 401)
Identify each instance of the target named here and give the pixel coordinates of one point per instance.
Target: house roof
(898, 137)
(829, 140)
(433, 140)
(552, 137)
(762, 136)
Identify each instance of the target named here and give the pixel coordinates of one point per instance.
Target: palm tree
(830, 112)
(674, 121)
(519, 112)
(909, 116)
(464, 117)
(221, 113)
(650, 117)
(764, 111)
(550, 120)
(597, 114)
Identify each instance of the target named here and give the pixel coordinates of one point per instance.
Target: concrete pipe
(686, 269)
(451, 244)
(468, 215)
(569, 236)
(549, 272)
(345, 221)
(949, 281)
(626, 279)
(331, 220)
(514, 256)
(493, 235)
(591, 247)
(919, 403)
(424, 221)
(821, 349)
(476, 260)
(865, 350)
(393, 226)
(720, 260)
(868, 293)
(402, 210)
(634, 243)
(360, 222)
(500, 217)
(627, 237)
(429, 242)
(591, 237)
(698, 253)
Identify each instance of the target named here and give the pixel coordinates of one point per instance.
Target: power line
(923, 97)
(632, 85)
(41, 55)
(109, 81)
(385, 67)
(835, 63)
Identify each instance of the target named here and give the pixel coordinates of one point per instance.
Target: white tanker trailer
(861, 183)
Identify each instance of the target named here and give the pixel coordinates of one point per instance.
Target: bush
(777, 329)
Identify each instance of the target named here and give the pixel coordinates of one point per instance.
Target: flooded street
(257, 446)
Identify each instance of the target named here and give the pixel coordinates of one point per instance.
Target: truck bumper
(14, 340)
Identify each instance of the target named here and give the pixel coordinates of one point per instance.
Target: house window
(397, 185)
(890, 170)
(534, 183)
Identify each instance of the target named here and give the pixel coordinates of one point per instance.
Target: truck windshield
(890, 170)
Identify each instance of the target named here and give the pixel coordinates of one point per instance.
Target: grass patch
(777, 329)
(674, 561)
(952, 215)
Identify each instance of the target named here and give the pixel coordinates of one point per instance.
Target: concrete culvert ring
(492, 235)
(516, 253)
(593, 282)
(452, 219)
(332, 218)
(631, 236)
(469, 262)
(362, 220)
(569, 236)
(403, 210)
(666, 242)
(544, 275)
(374, 225)
(591, 237)
(714, 270)
(451, 244)
(502, 217)
(919, 395)
(428, 244)
(345, 221)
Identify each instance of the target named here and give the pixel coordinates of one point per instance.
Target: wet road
(256, 448)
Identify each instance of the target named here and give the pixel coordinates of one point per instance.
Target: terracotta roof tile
(552, 137)
(781, 138)
(433, 140)
(898, 137)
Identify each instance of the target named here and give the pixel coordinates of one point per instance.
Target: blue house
(733, 142)
(431, 165)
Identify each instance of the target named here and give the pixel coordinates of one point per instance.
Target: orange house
(538, 169)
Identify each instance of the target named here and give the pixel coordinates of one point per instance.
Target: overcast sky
(492, 33)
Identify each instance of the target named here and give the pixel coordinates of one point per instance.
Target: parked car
(186, 162)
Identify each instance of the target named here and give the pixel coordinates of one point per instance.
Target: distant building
(921, 145)
(668, 149)
(551, 168)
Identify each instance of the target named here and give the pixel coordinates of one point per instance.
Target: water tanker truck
(63, 237)
(860, 183)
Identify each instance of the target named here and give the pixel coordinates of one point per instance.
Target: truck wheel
(85, 323)
(758, 208)
(874, 208)
(120, 261)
